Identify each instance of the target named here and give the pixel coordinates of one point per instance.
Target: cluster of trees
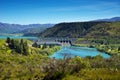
(18, 46)
(107, 44)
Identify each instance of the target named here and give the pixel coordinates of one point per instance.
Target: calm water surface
(24, 37)
(77, 51)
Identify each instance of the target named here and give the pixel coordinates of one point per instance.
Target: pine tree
(17, 46)
(25, 48)
(21, 46)
(8, 40)
(35, 44)
(119, 48)
(12, 45)
(44, 46)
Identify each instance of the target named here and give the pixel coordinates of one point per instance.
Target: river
(73, 51)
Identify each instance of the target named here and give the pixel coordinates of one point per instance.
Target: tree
(25, 48)
(21, 46)
(119, 48)
(44, 46)
(35, 44)
(17, 46)
(21, 41)
(8, 40)
(12, 45)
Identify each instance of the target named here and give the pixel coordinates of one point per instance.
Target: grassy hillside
(105, 30)
(39, 67)
(75, 29)
(83, 29)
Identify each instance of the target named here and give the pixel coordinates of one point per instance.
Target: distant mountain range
(75, 29)
(17, 28)
(33, 31)
(109, 20)
(96, 28)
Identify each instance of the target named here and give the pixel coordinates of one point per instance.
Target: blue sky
(56, 11)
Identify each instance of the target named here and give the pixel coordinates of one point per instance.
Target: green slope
(83, 29)
(105, 30)
(75, 29)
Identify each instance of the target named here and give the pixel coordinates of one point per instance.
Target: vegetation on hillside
(83, 29)
(75, 30)
(105, 30)
(39, 67)
(25, 47)
(106, 44)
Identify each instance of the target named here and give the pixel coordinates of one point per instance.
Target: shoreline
(91, 46)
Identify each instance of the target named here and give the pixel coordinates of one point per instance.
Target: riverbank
(93, 46)
(72, 51)
(107, 49)
(109, 45)
(111, 49)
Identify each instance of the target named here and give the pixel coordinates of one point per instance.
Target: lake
(17, 37)
(73, 51)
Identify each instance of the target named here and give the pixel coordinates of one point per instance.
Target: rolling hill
(108, 29)
(83, 29)
(74, 29)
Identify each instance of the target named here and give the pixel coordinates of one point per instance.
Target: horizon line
(57, 22)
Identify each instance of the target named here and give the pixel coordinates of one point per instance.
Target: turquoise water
(24, 37)
(77, 51)
(68, 51)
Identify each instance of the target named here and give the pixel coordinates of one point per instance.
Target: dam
(54, 41)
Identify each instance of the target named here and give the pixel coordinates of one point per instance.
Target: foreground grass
(40, 67)
(95, 74)
(14, 66)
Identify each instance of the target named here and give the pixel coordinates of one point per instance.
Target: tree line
(19, 46)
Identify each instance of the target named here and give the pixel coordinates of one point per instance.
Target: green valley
(59, 39)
